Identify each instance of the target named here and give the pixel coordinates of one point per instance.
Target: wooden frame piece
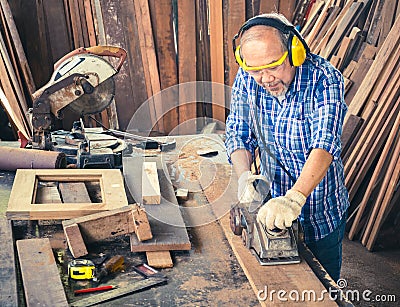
(21, 204)
(104, 225)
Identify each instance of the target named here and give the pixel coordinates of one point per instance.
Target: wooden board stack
(16, 83)
(361, 39)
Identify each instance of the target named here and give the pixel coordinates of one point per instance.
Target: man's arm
(241, 160)
(313, 171)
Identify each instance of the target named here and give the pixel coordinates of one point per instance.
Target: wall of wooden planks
(169, 42)
(361, 38)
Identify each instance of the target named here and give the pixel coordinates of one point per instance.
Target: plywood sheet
(41, 279)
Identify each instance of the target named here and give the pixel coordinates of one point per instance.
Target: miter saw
(83, 81)
(271, 247)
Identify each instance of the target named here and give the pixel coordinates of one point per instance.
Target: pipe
(12, 159)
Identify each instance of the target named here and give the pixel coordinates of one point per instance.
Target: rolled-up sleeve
(329, 115)
(238, 131)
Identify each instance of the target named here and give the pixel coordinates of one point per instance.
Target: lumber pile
(16, 83)
(361, 39)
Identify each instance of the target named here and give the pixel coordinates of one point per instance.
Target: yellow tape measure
(81, 269)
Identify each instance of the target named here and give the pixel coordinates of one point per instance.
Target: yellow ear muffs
(297, 51)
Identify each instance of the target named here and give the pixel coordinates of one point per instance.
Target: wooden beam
(8, 275)
(150, 185)
(74, 192)
(374, 178)
(18, 47)
(149, 61)
(217, 60)
(236, 17)
(375, 71)
(162, 21)
(187, 66)
(159, 259)
(40, 275)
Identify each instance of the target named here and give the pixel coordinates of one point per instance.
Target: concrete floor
(374, 274)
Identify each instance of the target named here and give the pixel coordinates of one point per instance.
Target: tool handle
(112, 51)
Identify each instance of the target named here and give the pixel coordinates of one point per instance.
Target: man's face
(268, 49)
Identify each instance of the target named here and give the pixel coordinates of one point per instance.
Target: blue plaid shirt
(310, 116)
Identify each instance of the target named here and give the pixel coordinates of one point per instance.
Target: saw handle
(112, 51)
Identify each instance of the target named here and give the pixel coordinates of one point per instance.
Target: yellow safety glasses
(242, 62)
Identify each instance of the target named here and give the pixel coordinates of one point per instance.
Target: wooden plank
(58, 27)
(387, 204)
(236, 17)
(100, 39)
(18, 47)
(11, 87)
(150, 185)
(268, 6)
(149, 61)
(321, 18)
(374, 178)
(392, 65)
(217, 59)
(117, 18)
(166, 222)
(8, 276)
(342, 29)
(41, 279)
(375, 71)
(100, 226)
(386, 193)
(333, 13)
(388, 17)
(287, 8)
(159, 259)
(20, 204)
(387, 97)
(47, 195)
(221, 192)
(187, 65)
(76, 244)
(364, 64)
(350, 130)
(76, 24)
(74, 192)
(321, 44)
(370, 149)
(162, 22)
(83, 24)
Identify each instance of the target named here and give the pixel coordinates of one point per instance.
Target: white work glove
(281, 211)
(246, 191)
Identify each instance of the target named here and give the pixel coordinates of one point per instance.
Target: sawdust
(197, 282)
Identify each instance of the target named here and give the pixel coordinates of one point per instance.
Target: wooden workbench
(218, 270)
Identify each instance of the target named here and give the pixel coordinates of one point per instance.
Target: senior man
(290, 103)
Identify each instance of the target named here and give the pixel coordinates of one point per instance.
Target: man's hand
(246, 191)
(281, 211)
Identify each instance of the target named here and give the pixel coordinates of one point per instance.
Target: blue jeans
(328, 250)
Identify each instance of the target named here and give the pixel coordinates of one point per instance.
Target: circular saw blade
(97, 101)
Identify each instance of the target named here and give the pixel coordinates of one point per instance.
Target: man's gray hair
(284, 37)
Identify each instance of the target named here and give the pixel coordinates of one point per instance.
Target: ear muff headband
(297, 46)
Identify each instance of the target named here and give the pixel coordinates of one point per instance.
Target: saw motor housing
(82, 81)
